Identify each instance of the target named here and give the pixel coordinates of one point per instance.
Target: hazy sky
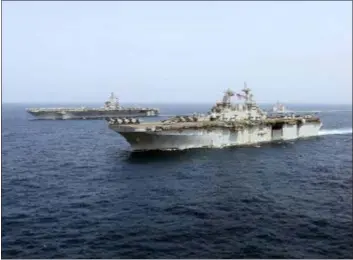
(298, 52)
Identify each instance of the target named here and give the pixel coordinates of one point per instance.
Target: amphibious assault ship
(111, 108)
(226, 124)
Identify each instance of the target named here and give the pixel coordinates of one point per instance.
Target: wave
(320, 111)
(341, 131)
(334, 111)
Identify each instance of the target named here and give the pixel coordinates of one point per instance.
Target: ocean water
(72, 189)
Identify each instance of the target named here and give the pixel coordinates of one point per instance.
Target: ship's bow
(142, 139)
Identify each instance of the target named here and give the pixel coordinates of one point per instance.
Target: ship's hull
(91, 114)
(215, 138)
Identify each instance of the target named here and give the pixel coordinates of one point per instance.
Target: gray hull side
(66, 115)
(186, 139)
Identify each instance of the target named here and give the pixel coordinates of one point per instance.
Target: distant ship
(226, 124)
(111, 108)
(280, 108)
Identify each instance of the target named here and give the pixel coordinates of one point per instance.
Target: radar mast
(227, 96)
(113, 102)
(248, 95)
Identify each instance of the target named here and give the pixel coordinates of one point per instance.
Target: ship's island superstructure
(280, 108)
(226, 124)
(111, 108)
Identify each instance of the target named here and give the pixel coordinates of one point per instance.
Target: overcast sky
(295, 52)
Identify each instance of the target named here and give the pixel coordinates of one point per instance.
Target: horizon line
(164, 103)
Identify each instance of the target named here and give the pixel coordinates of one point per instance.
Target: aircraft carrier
(280, 108)
(226, 124)
(111, 108)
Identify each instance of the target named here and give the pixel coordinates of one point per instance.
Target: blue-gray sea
(72, 189)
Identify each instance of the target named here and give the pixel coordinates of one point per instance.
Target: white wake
(341, 131)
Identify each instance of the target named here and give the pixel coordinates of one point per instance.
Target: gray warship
(226, 124)
(111, 108)
(280, 108)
